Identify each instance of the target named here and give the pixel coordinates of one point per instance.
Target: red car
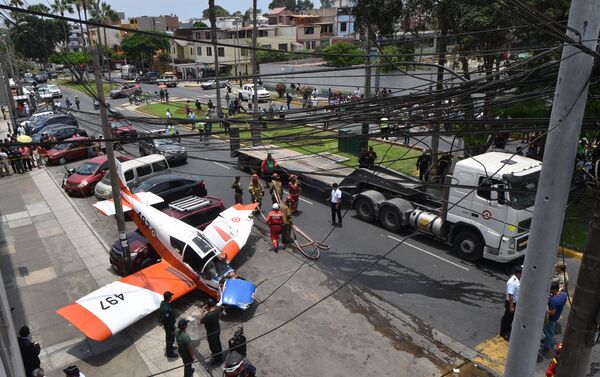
(73, 149)
(83, 180)
(121, 128)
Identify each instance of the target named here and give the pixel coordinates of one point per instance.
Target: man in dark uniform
(184, 342)
(29, 351)
(423, 165)
(210, 317)
(363, 158)
(167, 319)
(371, 157)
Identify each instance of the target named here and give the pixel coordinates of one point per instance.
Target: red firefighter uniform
(275, 222)
(295, 191)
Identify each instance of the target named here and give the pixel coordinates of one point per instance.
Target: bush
(306, 91)
(280, 89)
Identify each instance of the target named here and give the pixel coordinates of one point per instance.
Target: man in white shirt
(510, 305)
(335, 200)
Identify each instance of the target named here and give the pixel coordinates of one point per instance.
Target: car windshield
(163, 141)
(522, 189)
(88, 168)
(144, 186)
(61, 147)
(118, 123)
(52, 87)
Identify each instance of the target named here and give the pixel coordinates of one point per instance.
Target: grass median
(85, 87)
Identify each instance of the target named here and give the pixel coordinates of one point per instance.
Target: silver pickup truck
(168, 78)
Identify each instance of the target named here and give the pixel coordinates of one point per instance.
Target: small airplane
(190, 259)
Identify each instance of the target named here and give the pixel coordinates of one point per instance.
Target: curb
(570, 253)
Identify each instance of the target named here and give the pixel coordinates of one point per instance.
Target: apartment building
(152, 23)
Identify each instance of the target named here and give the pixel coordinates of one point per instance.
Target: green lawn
(177, 109)
(576, 221)
(84, 87)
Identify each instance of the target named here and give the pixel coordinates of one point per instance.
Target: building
(344, 23)
(76, 38)
(158, 23)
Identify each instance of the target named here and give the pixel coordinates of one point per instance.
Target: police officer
(210, 318)
(184, 342)
(275, 222)
(167, 319)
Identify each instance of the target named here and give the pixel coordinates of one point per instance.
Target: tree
(141, 47)
(219, 12)
(248, 14)
(199, 24)
(304, 5)
(289, 4)
(327, 3)
(406, 52)
(270, 56)
(380, 16)
(74, 58)
(338, 55)
(61, 7)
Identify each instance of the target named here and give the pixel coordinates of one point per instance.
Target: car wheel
(468, 246)
(62, 161)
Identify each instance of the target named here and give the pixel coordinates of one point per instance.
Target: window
(308, 45)
(343, 26)
(244, 52)
(282, 47)
(179, 183)
(208, 51)
(103, 167)
(191, 51)
(327, 28)
(199, 51)
(163, 186)
(143, 171)
(309, 30)
(129, 176)
(177, 244)
(485, 185)
(160, 165)
(207, 35)
(221, 51)
(314, 44)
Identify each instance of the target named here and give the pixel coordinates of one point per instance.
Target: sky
(181, 8)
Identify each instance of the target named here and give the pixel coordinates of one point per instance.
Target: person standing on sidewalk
(238, 195)
(510, 305)
(166, 96)
(556, 304)
(184, 343)
(77, 102)
(335, 200)
(5, 162)
(227, 98)
(288, 100)
(167, 319)
(210, 318)
(30, 351)
(561, 276)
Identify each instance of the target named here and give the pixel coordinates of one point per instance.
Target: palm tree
(61, 7)
(103, 13)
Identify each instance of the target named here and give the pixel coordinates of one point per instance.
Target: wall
(11, 363)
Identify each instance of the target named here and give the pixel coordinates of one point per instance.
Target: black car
(42, 122)
(171, 187)
(29, 81)
(41, 77)
(155, 142)
(60, 132)
(149, 77)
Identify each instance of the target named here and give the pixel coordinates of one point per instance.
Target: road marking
(429, 253)
(221, 165)
(301, 198)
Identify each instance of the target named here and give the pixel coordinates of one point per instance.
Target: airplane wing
(110, 309)
(230, 231)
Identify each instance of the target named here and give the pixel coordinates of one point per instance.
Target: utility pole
(582, 328)
(10, 102)
(112, 167)
(254, 64)
(570, 97)
(441, 47)
(368, 66)
(213, 37)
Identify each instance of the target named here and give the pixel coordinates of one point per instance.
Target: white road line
(429, 253)
(301, 198)
(221, 165)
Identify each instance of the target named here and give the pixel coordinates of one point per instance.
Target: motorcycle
(96, 104)
(68, 172)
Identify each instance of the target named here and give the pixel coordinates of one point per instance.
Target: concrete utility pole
(581, 328)
(254, 64)
(112, 167)
(570, 98)
(368, 66)
(10, 102)
(441, 47)
(213, 38)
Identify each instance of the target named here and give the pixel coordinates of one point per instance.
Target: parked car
(44, 93)
(148, 77)
(41, 77)
(125, 91)
(171, 187)
(34, 116)
(246, 93)
(81, 181)
(72, 149)
(168, 79)
(121, 128)
(212, 84)
(55, 90)
(156, 142)
(195, 211)
(60, 132)
(47, 120)
(29, 81)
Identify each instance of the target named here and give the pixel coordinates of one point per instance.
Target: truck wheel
(365, 210)
(390, 219)
(468, 246)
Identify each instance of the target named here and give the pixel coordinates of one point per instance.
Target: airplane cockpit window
(214, 267)
(192, 258)
(202, 243)
(177, 244)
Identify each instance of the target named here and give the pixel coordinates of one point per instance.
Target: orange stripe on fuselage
(230, 250)
(85, 321)
(222, 233)
(245, 207)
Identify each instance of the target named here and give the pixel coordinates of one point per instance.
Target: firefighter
(295, 191)
(275, 222)
(288, 222)
(267, 167)
(276, 189)
(256, 191)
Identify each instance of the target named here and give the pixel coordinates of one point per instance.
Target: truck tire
(468, 245)
(390, 218)
(365, 209)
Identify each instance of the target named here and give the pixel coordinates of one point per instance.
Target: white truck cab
(246, 93)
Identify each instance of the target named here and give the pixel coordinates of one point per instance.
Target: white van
(135, 171)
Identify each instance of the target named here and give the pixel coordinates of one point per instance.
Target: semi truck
(484, 211)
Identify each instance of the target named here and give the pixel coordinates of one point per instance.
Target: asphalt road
(420, 277)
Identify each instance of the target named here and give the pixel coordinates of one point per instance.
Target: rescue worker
(238, 190)
(276, 189)
(295, 191)
(267, 167)
(288, 222)
(167, 320)
(275, 222)
(256, 191)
